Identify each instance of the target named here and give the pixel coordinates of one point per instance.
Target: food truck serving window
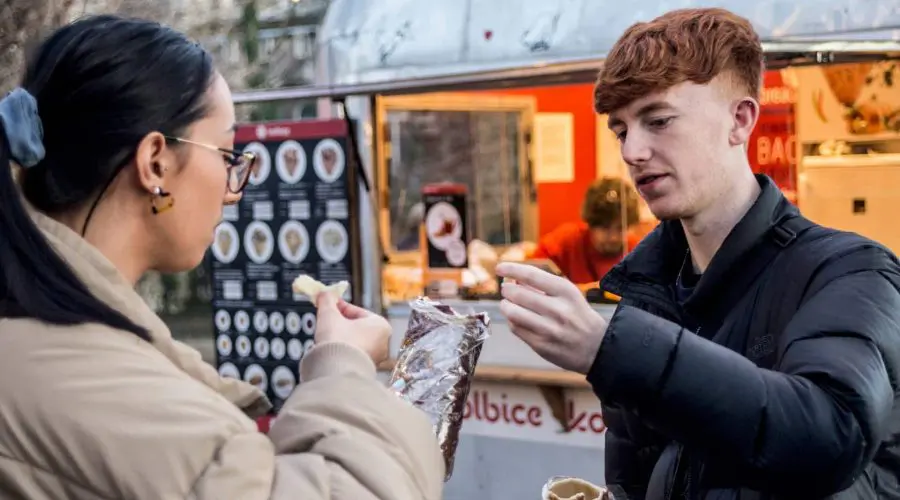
(477, 141)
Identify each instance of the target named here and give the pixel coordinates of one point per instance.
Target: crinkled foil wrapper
(436, 364)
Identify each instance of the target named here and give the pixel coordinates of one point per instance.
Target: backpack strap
(802, 269)
(781, 235)
(762, 350)
(784, 234)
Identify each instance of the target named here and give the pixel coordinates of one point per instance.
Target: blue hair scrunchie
(24, 130)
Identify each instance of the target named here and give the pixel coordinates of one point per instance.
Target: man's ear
(150, 160)
(745, 114)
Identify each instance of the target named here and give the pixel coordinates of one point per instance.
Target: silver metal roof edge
(780, 53)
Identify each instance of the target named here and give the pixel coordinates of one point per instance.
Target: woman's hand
(338, 321)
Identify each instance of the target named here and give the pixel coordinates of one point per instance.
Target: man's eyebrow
(654, 106)
(646, 109)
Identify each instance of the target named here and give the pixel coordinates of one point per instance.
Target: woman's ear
(151, 160)
(745, 115)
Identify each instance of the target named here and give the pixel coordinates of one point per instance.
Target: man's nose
(636, 149)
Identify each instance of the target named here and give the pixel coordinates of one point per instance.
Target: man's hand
(550, 314)
(584, 288)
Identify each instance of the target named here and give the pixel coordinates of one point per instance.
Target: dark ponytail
(101, 84)
(36, 282)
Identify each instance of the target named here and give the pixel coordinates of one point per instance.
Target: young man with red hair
(755, 354)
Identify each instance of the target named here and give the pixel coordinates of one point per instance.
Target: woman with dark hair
(122, 136)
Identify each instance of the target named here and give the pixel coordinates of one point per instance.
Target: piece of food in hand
(572, 488)
(311, 287)
(436, 364)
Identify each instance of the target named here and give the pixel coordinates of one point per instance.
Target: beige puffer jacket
(89, 412)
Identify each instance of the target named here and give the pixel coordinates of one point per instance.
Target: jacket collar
(105, 282)
(657, 260)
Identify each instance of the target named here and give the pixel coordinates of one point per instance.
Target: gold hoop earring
(159, 194)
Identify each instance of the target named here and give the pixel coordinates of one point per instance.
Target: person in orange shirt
(587, 249)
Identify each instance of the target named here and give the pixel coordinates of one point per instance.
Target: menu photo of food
(277, 348)
(255, 375)
(292, 323)
(241, 321)
(309, 323)
(283, 381)
(276, 322)
(263, 165)
(224, 345)
(293, 242)
(259, 242)
(226, 243)
(295, 349)
(328, 160)
(456, 253)
(223, 320)
(332, 241)
(261, 348)
(243, 346)
(261, 321)
(290, 162)
(229, 370)
(443, 225)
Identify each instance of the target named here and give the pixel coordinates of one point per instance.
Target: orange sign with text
(773, 146)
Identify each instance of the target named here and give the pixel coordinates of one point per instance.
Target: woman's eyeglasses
(239, 164)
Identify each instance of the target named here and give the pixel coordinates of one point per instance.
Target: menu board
(296, 217)
(445, 238)
(446, 230)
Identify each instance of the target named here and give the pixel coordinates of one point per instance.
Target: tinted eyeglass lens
(240, 172)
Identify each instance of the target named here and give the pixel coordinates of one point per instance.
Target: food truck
(486, 107)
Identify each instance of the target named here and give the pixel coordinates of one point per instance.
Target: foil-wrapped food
(436, 364)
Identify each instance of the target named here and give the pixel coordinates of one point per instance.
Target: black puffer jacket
(789, 391)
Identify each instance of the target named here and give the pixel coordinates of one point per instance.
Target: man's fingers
(534, 277)
(525, 318)
(531, 299)
(535, 341)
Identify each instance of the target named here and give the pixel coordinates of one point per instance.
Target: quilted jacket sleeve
(818, 420)
(341, 435)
